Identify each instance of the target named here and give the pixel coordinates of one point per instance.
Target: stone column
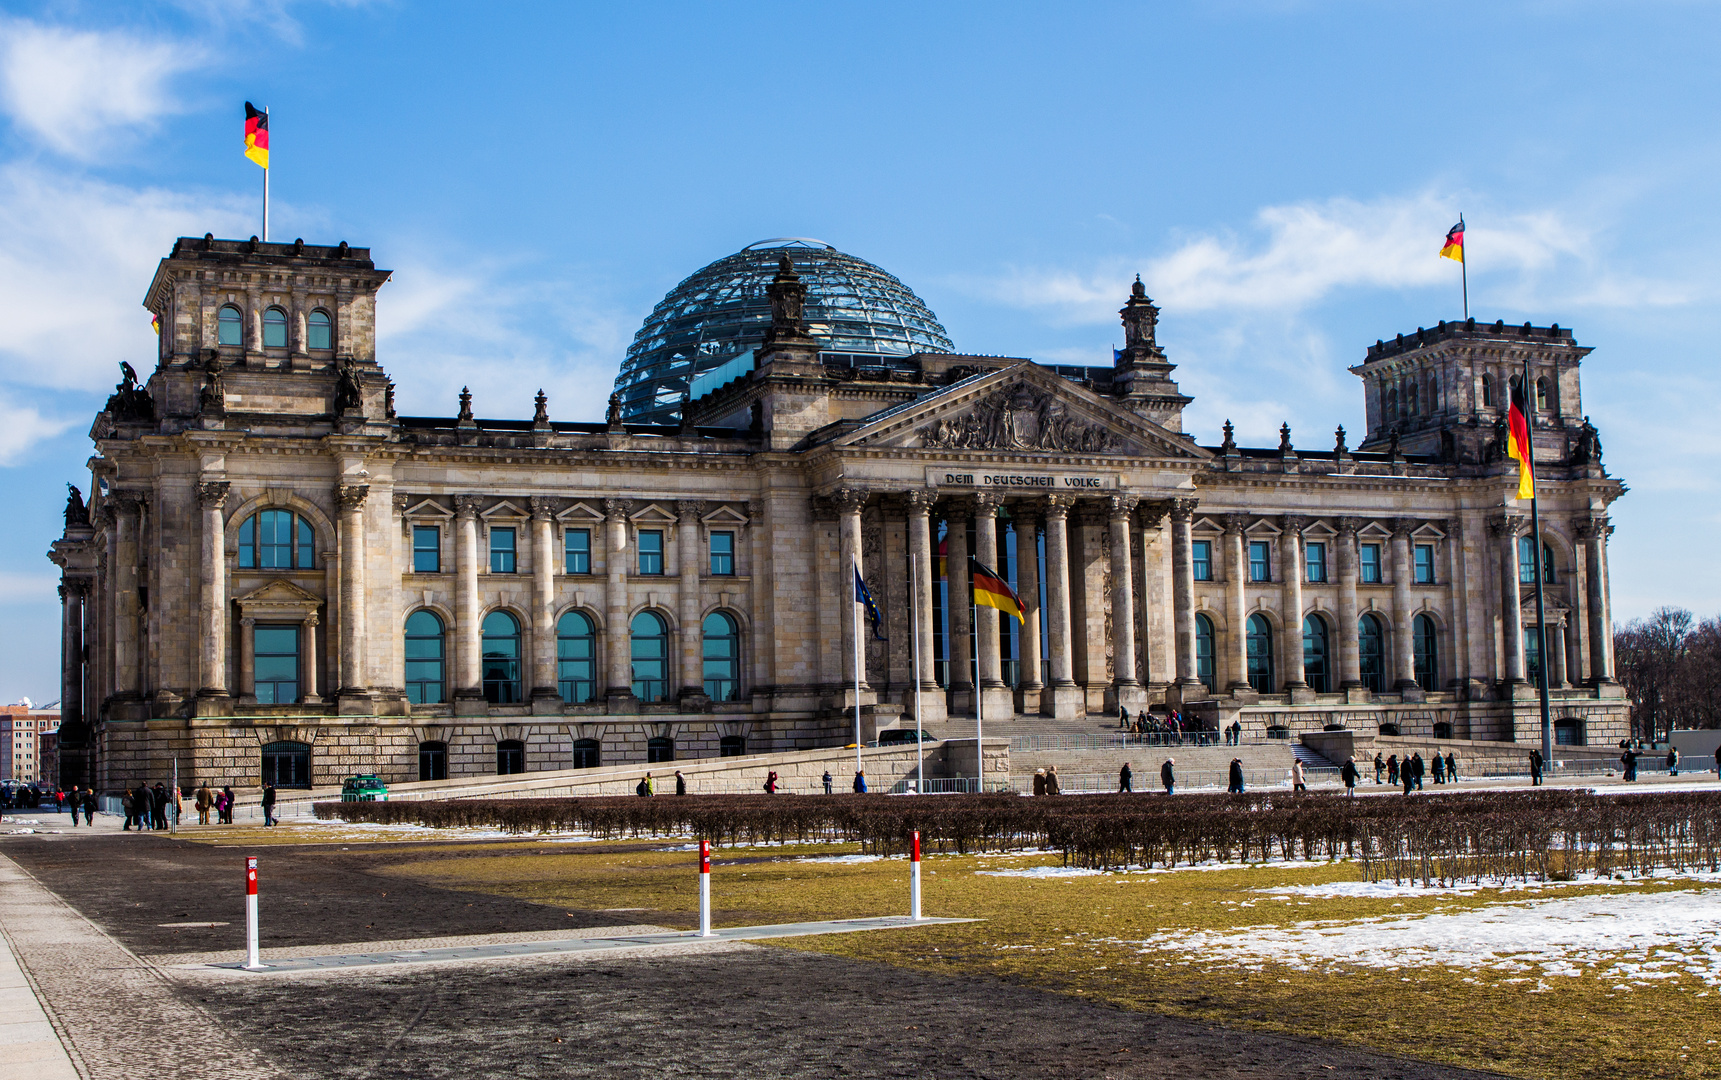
(1156, 671)
(1291, 601)
(1189, 688)
(122, 569)
(849, 504)
(212, 621)
(998, 698)
(1028, 586)
(468, 638)
(1505, 530)
(1349, 658)
(1556, 658)
(1126, 685)
(1061, 698)
(1237, 601)
(72, 651)
(692, 632)
(351, 529)
(959, 641)
(1594, 533)
(248, 659)
(313, 685)
(618, 639)
(920, 551)
(1403, 653)
(544, 696)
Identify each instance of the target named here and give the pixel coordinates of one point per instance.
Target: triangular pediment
(1262, 527)
(279, 592)
(503, 510)
(1428, 531)
(428, 508)
(1021, 409)
(725, 515)
(1374, 531)
(579, 514)
(652, 514)
(1205, 524)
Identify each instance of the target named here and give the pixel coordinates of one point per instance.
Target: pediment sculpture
(1020, 417)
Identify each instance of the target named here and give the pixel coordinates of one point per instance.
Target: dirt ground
(758, 1012)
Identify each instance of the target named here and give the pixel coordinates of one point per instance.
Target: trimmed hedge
(1493, 835)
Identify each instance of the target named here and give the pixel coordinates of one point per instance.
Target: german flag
(1454, 248)
(943, 553)
(1518, 446)
(256, 135)
(155, 324)
(992, 591)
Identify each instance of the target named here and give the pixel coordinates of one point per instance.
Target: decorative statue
(788, 302)
(541, 410)
(1392, 447)
(1019, 418)
(1229, 446)
(130, 401)
(1497, 445)
(388, 399)
(1284, 438)
(349, 397)
(1588, 449)
(614, 416)
(465, 404)
(213, 398)
(1140, 318)
(1339, 446)
(77, 513)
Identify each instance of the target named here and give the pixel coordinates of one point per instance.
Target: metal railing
(1119, 740)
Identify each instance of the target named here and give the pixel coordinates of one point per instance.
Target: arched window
(1527, 565)
(501, 658)
(722, 657)
(1542, 394)
(287, 764)
(586, 754)
(277, 540)
(1410, 401)
(274, 328)
(1487, 391)
(424, 653)
(576, 658)
(1431, 402)
(1204, 651)
(1315, 653)
(1391, 405)
(1371, 653)
(229, 326)
(731, 746)
(659, 749)
(319, 330)
(1425, 645)
(650, 657)
(510, 757)
(433, 761)
(1260, 642)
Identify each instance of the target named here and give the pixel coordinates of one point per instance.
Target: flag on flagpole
(256, 135)
(992, 591)
(943, 551)
(863, 596)
(155, 324)
(1454, 248)
(1518, 446)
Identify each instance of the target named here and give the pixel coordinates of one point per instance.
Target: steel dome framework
(720, 312)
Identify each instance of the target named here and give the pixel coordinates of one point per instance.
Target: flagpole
(1544, 661)
(979, 694)
(1464, 270)
(855, 605)
(914, 628)
(265, 185)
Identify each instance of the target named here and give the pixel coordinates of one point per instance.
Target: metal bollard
(253, 962)
(914, 877)
(704, 888)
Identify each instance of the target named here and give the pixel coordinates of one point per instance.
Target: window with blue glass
(650, 551)
(650, 656)
(1371, 653)
(424, 658)
(722, 553)
(1425, 652)
(1201, 555)
(722, 657)
(320, 331)
(1315, 559)
(229, 326)
(275, 664)
(500, 658)
(1527, 564)
(577, 551)
(576, 658)
(501, 551)
(1315, 654)
(1259, 644)
(276, 540)
(1368, 556)
(274, 328)
(1204, 651)
(1424, 564)
(1260, 561)
(426, 549)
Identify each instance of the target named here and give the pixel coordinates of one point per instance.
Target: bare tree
(1670, 666)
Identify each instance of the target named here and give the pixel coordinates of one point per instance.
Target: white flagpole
(266, 180)
(979, 696)
(914, 628)
(854, 568)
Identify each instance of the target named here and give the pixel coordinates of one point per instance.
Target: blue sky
(539, 175)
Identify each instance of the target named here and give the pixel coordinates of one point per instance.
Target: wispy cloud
(78, 91)
(22, 427)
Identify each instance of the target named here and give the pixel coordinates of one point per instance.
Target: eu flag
(864, 596)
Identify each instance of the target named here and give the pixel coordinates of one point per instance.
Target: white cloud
(78, 255)
(79, 90)
(18, 588)
(22, 427)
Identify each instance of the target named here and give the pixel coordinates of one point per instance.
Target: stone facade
(275, 571)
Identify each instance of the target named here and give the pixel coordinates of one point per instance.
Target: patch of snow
(1043, 872)
(841, 858)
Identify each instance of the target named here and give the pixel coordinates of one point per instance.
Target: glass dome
(719, 315)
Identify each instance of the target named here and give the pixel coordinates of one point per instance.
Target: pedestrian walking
(1122, 717)
(1168, 775)
(158, 806)
(860, 782)
(1439, 769)
(227, 801)
(1392, 770)
(1234, 786)
(1535, 768)
(1629, 760)
(72, 800)
(1673, 761)
(827, 781)
(681, 783)
(1379, 765)
(1348, 773)
(1297, 779)
(771, 782)
(1407, 776)
(203, 800)
(1451, 768)
(89, 806)
(1039, 781)
(1051, 780)
(268, 806)
(177, 803)
(1124, 779)
(1418, 768)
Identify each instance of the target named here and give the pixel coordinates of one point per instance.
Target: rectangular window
(275, 666)
(650, 551)
(1202, 557)
(426, 549)
(1315, 556)
(577, 547)
(1370, 559)
(723, 553)
(1260, 561)
(1425, 564)
(501, 551)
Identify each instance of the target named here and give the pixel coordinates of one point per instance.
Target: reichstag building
(276, 576)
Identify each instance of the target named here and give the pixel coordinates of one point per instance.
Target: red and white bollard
(704, 888)
(914, 876)
(253, 962)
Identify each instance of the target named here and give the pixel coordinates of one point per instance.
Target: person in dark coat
(268, 805)
(1125, 779)
(89, 805)
(1407, 774)
(1451, 768)
(681, 783)
(1439, 769)
(1673, 761)
(1235, 786)
(1052, 780)
(1535, 768)
(1418, 769)
(1392, 770)
(1122, 717)
(1039, 781)
(227, 805)
(1348, 773)
(1379, 766)
(1168, 775)
(827, 781)
(158, 806)
(1629, 760)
